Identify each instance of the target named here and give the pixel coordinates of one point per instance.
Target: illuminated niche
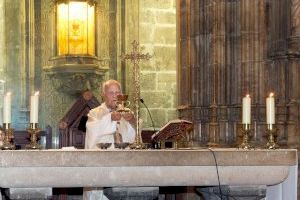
(75, 23)
(75, 64)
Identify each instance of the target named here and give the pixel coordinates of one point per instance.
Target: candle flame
(36, 93)
(271, 94)
(247, 95)
(8, 93)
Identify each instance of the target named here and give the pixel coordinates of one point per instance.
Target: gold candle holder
(8, 136)
(33, 131)
(246, 135)
(272, 136)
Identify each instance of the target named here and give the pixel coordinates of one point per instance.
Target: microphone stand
(142, 101)
(154, 144)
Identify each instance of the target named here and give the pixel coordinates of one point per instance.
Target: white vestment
(100, 129)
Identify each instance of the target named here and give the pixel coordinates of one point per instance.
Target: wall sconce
(75, 24)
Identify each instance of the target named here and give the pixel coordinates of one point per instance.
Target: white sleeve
(127, 131)
(98, 129)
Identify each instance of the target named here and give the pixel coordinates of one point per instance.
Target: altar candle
(7, 108)
(34, 108)
(246, 118)
(270, 110)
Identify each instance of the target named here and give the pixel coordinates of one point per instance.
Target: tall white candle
(246, 117)
(7, 108)
(34, 108)
(270, 110)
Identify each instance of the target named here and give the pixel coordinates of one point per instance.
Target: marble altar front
(276, 169)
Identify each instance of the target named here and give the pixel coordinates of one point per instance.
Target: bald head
(110, 90)
(108, 83)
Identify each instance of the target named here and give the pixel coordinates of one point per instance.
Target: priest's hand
(129, 116)
(116, 116)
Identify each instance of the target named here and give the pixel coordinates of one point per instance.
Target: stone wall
(157, 34)
(2, 52)
(232, 48)
(13, 70)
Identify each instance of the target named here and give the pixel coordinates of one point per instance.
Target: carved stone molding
(74, 74)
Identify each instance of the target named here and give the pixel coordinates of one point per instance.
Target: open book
(172, 130)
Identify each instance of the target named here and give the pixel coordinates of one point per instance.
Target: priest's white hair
(107, 83)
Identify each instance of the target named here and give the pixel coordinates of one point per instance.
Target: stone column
(232, 70)
(276, 68)
(184, 89)
(293, 74)
(294, 37)
(112, 21)
(225, 57)
(252, 62)
(2, 52)
(216, 65)
(2, 37)
(12, 68)
(195, 81)
(131, 31)
(103, 41)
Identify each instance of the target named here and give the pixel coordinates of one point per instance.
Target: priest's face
(110, 95)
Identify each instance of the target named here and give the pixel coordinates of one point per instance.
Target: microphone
(142, 101)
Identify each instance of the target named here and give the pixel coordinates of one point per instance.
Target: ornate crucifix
(135, 56)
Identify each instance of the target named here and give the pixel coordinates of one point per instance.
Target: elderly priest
(103, 125)
(104, 120)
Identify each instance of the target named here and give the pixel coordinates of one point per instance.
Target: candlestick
(7, 108)
(246, 117)
(33, 131)
(34, 108)
(245, 138)
(8, 136)
(272, 138)
(270, 111)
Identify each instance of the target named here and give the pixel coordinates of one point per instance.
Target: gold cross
(135, 56)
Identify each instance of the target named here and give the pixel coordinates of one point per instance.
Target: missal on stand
(175, 132)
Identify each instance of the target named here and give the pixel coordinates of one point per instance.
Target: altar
(276, 169)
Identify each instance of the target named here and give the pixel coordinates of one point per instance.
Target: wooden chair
(72, 125)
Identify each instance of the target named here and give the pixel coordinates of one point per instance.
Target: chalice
(122, 107)
(123, 103)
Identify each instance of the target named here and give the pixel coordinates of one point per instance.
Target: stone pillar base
(29, 193)
(233, 192)
(132, 193)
